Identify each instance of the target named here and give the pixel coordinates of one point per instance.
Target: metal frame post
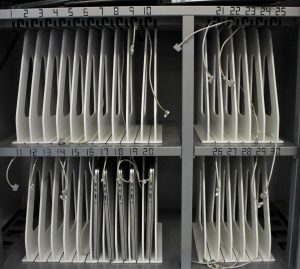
(187, 142)
(294, 203)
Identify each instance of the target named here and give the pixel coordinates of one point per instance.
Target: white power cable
(229, 82)
(204, 59)
(63, 195)
(135, 27)
(132, 162)
(14, 186)
(167, 112)
(178, 47)
(31, 174)
(217, 265)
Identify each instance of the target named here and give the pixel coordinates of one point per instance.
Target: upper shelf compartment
(95, 86)
(86, 88)
(240, 83)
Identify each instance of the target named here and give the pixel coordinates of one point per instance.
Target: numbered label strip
(149, 11)
(231, 226)
(236, 91)
(77, 86)
(112, 218)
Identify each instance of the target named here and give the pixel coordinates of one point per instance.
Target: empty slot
(36, 202)
(84, 199)
(72, 201)
(241, 91)
(248, 196)
(41, 89)
(229, 101)
(60, 208)
(92, 93)
(254, 88)
(235, 199)
(79, 91)
(49, 201)
(267, 95)
(28, 87)
(259, 192)
(66, 106)
(104, 96)
(53, 101)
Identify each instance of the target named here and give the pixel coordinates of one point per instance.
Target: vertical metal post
(294, 203)
(187, 142)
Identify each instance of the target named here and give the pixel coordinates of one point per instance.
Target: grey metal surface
(187, 142)
(169, 147)
(294, 203)
(115, 11)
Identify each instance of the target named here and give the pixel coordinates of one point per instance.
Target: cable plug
(264, 195)
(132, 49)
(167, 112)
(15, 187)
(210, 78)
(177, 47)
(63, 197)
(260, 204)
(230, 83)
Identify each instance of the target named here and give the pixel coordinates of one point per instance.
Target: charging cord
(167, 112)
(204, 59)
(63, 195)
(14, 186)
(178, 47)
(31, 174)
(229, 82)
(217, 265)
(135, 27)
(136, 170)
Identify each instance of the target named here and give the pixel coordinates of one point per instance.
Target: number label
(116, 11)
(55, 11)
(33, 152)
(147, 11)
(70, 12)
(85, 12)
(131, 10)
(47, 152)
(235, 11)
(25, 13)
(41, 13)
(148, 152)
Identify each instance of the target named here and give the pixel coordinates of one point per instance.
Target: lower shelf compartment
(14, 252)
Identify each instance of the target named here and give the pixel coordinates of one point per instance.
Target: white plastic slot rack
(87, 214)
(246, 111)
(230, 226)
(78, 86)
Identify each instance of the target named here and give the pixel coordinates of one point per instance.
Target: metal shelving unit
(185, 145)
